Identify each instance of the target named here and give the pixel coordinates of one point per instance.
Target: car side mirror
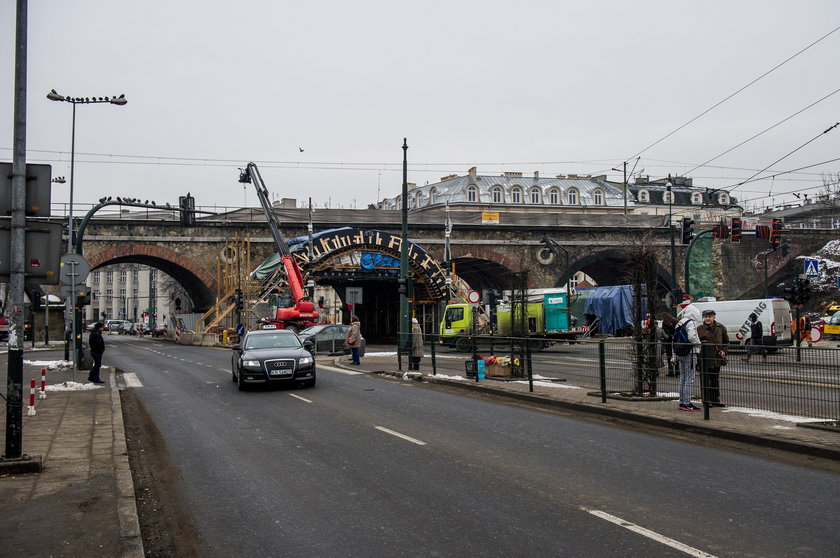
(236, 347)
(309, 346)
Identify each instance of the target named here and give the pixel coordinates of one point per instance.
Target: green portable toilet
(556, 312)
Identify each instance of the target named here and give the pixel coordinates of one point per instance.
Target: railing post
(433, 342)
(530, 370)
(399, 351)
(602, 361)
(704, 380)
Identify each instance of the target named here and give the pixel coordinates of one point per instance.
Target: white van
(773, 313)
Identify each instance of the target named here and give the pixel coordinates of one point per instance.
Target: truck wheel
(463, 345)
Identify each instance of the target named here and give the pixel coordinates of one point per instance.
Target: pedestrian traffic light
(238, 301)
(186, 205)
(83, 297)
(789, 293)
(737, 227)
(776, 231)
(687, 230)
(721, 230)
(402, 282)
(803, 295)
(36, 300)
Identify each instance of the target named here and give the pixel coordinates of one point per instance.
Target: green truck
(547, 317)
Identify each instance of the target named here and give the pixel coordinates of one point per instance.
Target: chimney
(536, 175)
(473, 173)
(411, 186)
(448, 177)
(512, 174)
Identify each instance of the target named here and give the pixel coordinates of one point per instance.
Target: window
(134, 294)
(472, 193)
(644, 196)
(419, 199)
(109, 295)
(536, 195)
(516, 194)
(598, 197)
(696, 198)
(572, 196)
(723, 199)
(667, 197)
(109, 277)
(123, 276)
(554, 196)
(432, 196)
(498, 194)
(135, 275)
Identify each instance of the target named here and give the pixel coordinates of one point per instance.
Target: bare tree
(641, 272)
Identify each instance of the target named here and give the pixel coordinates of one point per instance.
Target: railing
(806, 384)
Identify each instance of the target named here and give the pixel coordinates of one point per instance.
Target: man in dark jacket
(755, 343)
(97, 347)
(714, 338)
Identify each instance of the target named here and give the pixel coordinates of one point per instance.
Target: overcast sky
(551, 86)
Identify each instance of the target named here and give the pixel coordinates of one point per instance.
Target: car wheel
(309, 383)
(233, 374)
(240, 382)
(463, 345)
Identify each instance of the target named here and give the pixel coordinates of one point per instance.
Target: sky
(321, 94)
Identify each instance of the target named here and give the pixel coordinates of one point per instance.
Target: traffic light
(402, 284)
(737, 227)
(804, 293)
(36, 300)
(785, 248)
(687, 230)
(721, 230)
(776, 231)
(238, 301)
(83, 297)
(186, 204)
(789, 293)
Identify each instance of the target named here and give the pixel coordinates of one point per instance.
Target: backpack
(679, 341)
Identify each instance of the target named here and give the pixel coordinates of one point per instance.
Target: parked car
(329, 339)
(274, 357)
(160, 329)
(4, 327)
(114, 326)
(125, 328)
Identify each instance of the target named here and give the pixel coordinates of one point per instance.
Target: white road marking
(403, 436)
(131, 380)
(299, 397)
(340, 370)
(690, 550)
(225, 370)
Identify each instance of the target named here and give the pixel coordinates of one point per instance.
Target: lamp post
(72, 313)
(53, 96)
(669, 188)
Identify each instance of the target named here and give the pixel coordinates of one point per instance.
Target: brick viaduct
(484, 254)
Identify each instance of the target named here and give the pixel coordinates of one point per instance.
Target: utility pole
(17, 255)
(404, 317)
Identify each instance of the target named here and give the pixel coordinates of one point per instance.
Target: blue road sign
(240, 330)
(812, 268)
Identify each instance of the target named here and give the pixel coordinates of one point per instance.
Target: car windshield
(312, 330)
(272, 341)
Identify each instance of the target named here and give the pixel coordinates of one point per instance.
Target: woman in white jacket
(688, 363)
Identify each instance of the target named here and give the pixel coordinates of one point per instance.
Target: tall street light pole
(669, 187)
(404, 321)
(72, 314)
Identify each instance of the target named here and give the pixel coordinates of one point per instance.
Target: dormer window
(644, 196)
(536, 195)
(498, 194)
(723, 199)
(516, 194)
(667, 197)
(597, 197)
(419, 199)
(696, 198)
(432, 196)
(472, 193)
(554, 196)
(573, 196)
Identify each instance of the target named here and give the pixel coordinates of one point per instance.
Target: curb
(131, 540)
(754, 439)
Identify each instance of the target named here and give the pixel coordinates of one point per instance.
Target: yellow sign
(489, 217)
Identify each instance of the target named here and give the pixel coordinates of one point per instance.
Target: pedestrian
(354, 339)
(664, 334)
(416, 345)
(686, 348)
(805, 330)
(755, 344)
(97, 347)
(714, 334)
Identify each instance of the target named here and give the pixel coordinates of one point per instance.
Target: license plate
(285, 372)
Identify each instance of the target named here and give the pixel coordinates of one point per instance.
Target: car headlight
(251, 363)
(305, 360)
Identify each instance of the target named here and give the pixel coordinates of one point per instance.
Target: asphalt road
(365, 466)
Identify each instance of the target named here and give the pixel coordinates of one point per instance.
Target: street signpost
(812, 268)
(473, 297)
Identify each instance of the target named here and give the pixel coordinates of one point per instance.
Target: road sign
(812, 268)
(74, 269)
(240, 330)
(473, 297)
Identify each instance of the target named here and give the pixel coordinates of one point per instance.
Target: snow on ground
(50, 364)
(73, 386)
(769, 415)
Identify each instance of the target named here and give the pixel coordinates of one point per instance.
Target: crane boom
(251, 174)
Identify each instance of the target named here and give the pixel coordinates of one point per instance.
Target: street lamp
(669, 188)
(53, 96)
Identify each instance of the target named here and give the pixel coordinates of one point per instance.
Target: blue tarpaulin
(612, 305)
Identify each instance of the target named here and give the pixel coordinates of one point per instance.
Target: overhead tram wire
(750, 179)
(763, 131)
(762, 76)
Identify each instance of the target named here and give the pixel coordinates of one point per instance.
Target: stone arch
(332, 244)
(606, 268)
(195, 279)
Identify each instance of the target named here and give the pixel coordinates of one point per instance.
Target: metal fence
(795, 381)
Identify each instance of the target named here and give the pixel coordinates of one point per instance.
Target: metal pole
(404, 320)
(625, 187)
(14, 377)
(72, 167)
(673, 250)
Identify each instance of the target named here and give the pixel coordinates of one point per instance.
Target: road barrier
(43, 393)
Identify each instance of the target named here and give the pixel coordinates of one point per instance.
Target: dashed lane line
(690, 550)
(398, 435)
(304, 399)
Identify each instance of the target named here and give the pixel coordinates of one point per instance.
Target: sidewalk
(82, 502)
(764, 429)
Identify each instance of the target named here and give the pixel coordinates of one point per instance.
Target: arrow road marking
(690, 550)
